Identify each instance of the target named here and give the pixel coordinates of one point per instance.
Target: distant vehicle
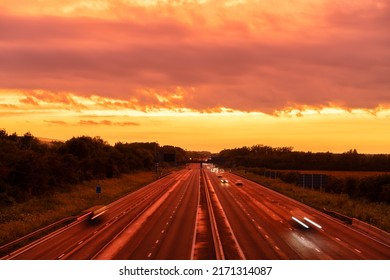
(303, 221)
(219, 176)
(239, 183)
(97, 212)
(224, 181)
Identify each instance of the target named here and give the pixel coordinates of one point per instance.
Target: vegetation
(259, 159)
(374, 188)
(25, 217)
(285, 158)
(374, 213)
(31, 169)
(41, 182)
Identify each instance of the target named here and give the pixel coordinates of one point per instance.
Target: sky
(201, 75)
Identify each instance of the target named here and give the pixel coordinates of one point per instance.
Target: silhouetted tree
(31, 168)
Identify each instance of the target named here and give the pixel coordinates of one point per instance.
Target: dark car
(239, 183)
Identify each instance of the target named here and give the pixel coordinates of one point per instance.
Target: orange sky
(202, 75)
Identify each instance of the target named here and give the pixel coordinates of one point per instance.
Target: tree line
(374, 188)
(285, 164)
(284, 158)
(31, 168)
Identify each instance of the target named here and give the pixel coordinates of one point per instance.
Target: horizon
(48, 140)
(201, 75)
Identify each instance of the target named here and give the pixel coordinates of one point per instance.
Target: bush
(30, 168)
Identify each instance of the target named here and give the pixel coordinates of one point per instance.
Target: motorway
(191, 214)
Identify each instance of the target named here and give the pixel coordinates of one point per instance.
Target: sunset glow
(202, 75)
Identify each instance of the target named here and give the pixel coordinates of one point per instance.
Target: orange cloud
(56, 122)
(107, 122)
(92, 123)
(254, 56)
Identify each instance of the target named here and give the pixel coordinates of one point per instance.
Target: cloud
(29, 100)
(107, 122)
(333, 53)
(55, 122)
(92, 123)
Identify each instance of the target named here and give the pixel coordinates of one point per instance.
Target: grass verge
(376, 214)
(23, 218)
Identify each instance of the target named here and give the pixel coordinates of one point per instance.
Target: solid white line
(208, 188)
(196, 223)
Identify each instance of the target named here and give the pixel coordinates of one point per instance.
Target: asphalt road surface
(170, 219)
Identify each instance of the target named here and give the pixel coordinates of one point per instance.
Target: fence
(313, 181)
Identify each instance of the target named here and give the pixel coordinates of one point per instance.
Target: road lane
(274, 211)
(159, 221)
(179, 237)
(62, 242)
(166, 231)
(339, 240)
(252, 235)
